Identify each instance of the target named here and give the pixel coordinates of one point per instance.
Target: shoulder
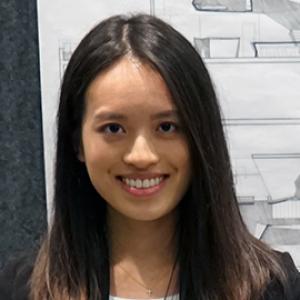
(14, 278)
(275, 291)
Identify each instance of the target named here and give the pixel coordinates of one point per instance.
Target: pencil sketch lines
(266, 164)
(218, 47)
(282, 228)
(277, 49)
(284, 12)
(223, 5)
(152, 7)
(297, 185)
(261, 121)
(65, 51)
(275, 218)
(250, 41)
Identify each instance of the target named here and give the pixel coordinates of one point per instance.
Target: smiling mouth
(142, 184)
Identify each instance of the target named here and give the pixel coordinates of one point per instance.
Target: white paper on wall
(252, 50)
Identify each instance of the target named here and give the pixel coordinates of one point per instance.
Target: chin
(152, 215)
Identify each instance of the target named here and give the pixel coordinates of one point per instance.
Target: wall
(22, 191)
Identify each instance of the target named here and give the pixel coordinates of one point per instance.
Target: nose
(141, 154)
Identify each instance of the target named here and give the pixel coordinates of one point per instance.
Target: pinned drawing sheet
(252, 50)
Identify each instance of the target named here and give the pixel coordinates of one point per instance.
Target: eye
(168, 127)
(112, 128)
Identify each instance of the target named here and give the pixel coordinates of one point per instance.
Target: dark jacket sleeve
(275, 291)
(14, 279)
(294, 277)
(295, 285)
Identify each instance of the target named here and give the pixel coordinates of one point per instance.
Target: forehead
(128, 83)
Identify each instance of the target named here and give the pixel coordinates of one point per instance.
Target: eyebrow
(165, 114)
(104, 116)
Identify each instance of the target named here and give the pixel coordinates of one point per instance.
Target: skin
(141, 144)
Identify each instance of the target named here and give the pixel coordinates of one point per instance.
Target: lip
(143, 175)
(145, 192)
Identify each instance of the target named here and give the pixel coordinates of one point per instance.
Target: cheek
(181, 157)
(101, 165)
(100, 160)
(95, 148)
(183, 167)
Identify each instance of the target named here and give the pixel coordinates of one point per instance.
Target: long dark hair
(218, 258)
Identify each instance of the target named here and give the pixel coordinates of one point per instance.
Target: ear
(78, 147)
(80, 153)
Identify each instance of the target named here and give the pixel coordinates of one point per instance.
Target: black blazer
(14, 281)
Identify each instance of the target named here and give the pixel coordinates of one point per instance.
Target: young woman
(144, 204)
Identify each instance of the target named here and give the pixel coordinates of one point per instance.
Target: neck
(144, 249)
(149, 241)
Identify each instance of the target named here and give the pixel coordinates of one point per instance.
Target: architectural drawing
(262, 128)
(268, 189)
(266, 175)
(152, 7)
(218, 47)
(277, 189)
(223, 5)
(284, 14)
(276, 49)
(65, 51)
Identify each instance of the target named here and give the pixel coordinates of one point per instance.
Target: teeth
(146, 183)
(139, 184)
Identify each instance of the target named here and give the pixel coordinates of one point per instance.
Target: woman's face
(135, 153)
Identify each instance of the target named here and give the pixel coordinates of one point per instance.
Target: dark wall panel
(22, 188)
